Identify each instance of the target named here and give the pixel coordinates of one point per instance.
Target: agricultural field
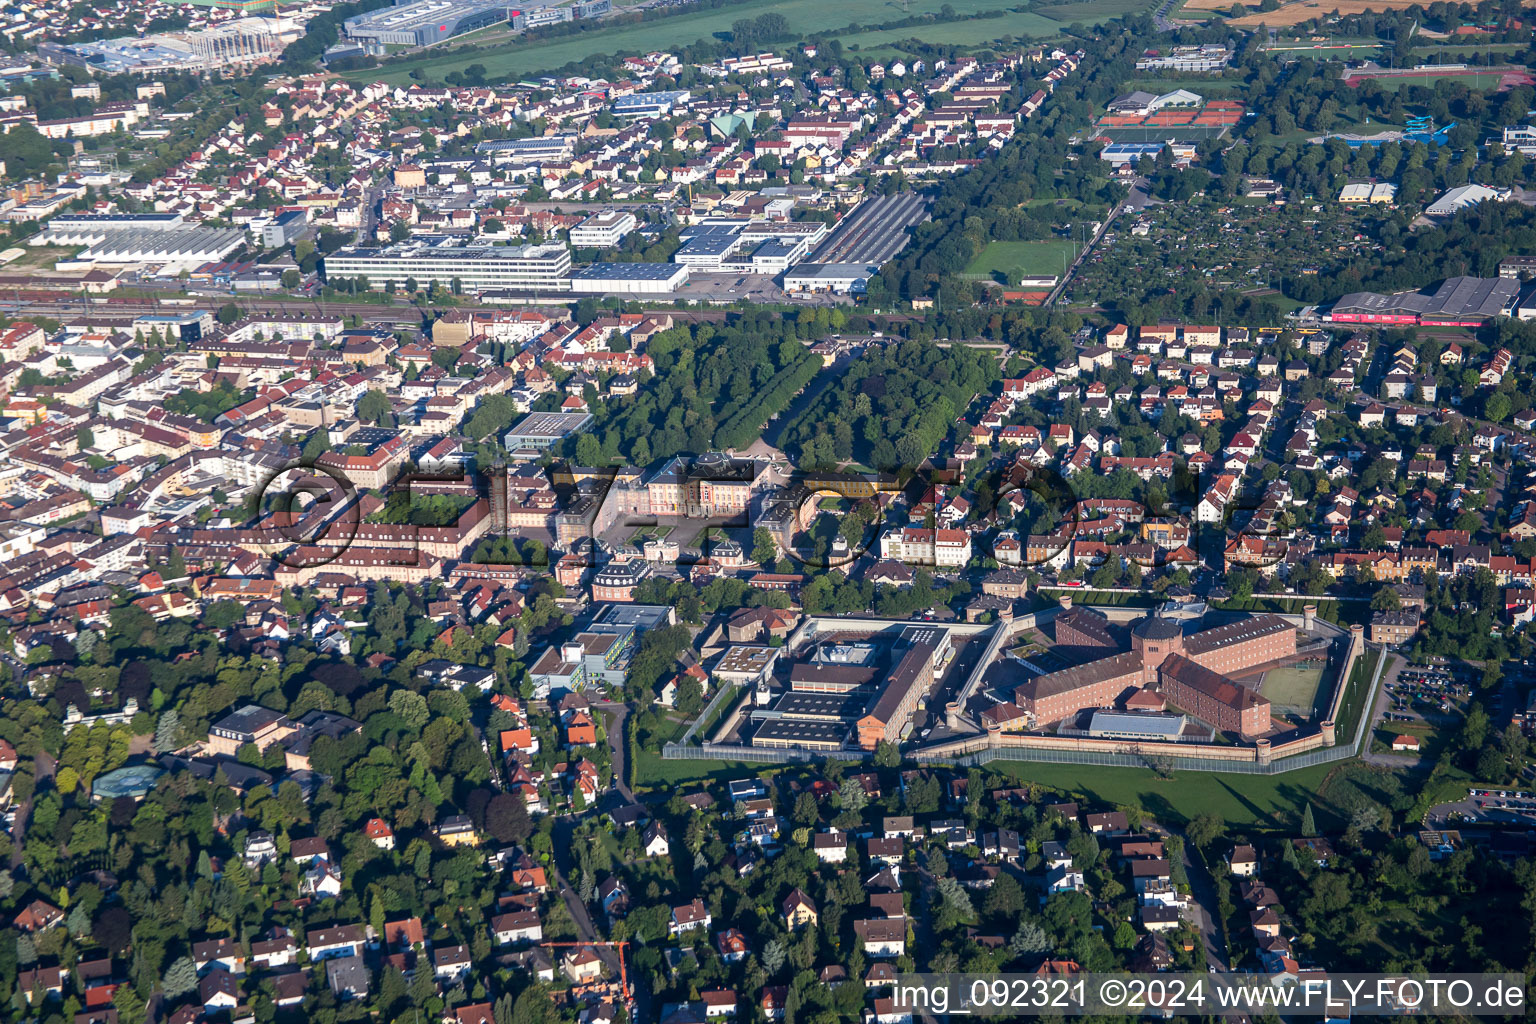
(1015, 260)
(1302, 10)
(1090, 12)
(527, 56)
(977, 32)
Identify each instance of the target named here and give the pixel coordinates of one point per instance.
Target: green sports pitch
(1164, 133)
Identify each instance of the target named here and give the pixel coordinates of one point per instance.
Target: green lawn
(1477, 83)
(1431, 740)
(1358, 685)
(1342, 613)
(1459, 50)
(653, 772)
(1262, 801)
(1015, 260)
(1091, 13)
(1086, 596)
(1195, 84)
(979, 32)
(529, 55)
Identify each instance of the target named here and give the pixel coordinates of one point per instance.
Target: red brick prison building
(1191, 672)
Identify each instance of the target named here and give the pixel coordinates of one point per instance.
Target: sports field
(1293, 688)
(531, 55)
(1478, 82)
(1015, 260)
(1164, 132)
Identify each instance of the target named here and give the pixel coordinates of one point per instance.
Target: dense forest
(715, 386)
(892, 407)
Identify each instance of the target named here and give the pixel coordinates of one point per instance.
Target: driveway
(618, 741)
(1203, 913)
(45, 764)
(1378, 711)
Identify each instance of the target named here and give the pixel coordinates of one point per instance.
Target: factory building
(531, 150)
(529, 268)
(284, 228)
(836, 278)
(241, 42)
(650, 104)
(172, 250)
(1457, 302)
(629, 279)
(524, 19)
(733, 245)
(90, 228)
(423, 22)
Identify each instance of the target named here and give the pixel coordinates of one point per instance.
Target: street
(1203, 913)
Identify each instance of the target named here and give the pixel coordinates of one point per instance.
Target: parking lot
(703, 287)
(1429, 693)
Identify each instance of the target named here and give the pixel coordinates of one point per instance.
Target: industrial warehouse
(241, 42)
(424, 22)
(629, 279)
(1457, 302)
(171, 249)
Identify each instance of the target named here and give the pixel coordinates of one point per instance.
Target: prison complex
(1191, 672)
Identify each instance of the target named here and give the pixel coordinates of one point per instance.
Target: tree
(1029, 940)
(374, 407)
(291, 278)
(533, 1005)
(506, 819)
(113, 928)
(1474, 728)
(887, 755)
(957, 902)
(1491, 766)
(851, 796)
(1205, 829)
(764, 550)
(1308, 824)
(318, 444)
(180, 978)
(773, 956)
(589, 452)
(806, 812)
(228, 313)
(1386, 599)
(166, 731)
(412, 707)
